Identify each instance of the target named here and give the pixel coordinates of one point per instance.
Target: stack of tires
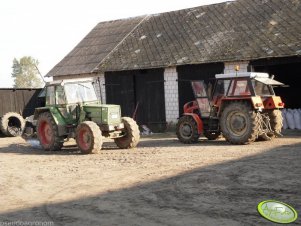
(12, 124)
(291, 119)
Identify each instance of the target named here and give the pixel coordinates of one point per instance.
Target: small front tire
(131, 134)
(187, 130)
(88, 137)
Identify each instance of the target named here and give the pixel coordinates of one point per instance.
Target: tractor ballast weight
(241, 106)
(73, 110)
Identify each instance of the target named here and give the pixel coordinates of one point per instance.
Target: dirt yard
(162, 182)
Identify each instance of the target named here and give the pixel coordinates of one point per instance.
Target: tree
(26, 74)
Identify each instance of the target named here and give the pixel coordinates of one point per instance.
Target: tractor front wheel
(88, 137)
(187, 130)
(239, 123)
(48, 133)
(131, 134)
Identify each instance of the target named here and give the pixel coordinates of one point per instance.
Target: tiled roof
(95, 47)
(229, 31)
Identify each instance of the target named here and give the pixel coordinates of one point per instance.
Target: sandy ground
(162, 182)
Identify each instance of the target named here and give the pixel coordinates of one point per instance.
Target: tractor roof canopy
(242, 74)
(62, 82)
(260, 77)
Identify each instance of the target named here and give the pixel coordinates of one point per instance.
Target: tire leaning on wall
(12, 124)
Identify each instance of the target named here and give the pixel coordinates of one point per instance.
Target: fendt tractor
(241, 106)
(73, 110)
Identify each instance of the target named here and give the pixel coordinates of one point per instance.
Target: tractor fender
(256, 102)
(39, 111)
(58, 118)
(273, 102)
(190, 107)
(198, 121)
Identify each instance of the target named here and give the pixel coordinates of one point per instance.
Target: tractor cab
(68, 96)
(241, 106)
(252, 86)
(70, 92)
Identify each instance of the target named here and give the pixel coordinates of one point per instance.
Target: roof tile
(229, 31)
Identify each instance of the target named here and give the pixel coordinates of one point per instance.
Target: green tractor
(72, 110)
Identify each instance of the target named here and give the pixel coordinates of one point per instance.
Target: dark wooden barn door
(287, 71)
(139, 92)
(187, 73)
(120, 90)
(150, 99)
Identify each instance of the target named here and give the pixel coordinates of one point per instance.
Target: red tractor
(241, 106)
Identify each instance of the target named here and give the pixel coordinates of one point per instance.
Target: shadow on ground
(222, 194)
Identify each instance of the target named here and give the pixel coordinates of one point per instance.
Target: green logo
(278, 212)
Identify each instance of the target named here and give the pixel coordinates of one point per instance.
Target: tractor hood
(103, 114)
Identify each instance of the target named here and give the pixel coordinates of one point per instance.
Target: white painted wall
(171, 95)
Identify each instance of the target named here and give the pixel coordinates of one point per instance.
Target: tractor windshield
(262, 89)
(221, 87)
(80, 92)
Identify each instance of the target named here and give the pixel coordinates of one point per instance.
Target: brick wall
(230, 66)
(171, 95)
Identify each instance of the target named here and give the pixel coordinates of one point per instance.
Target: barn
(145, 63)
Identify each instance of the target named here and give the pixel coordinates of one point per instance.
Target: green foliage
(25, 73)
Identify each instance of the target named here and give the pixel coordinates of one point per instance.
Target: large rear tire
(187, 130)
(47, 131)
(131, 134)
(276, 120)
(88, 137)
(239, 123)
(12, 124)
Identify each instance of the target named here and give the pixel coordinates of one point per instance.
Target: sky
(48, 30)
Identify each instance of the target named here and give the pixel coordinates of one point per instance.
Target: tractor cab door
(200, 92)
(68, 111)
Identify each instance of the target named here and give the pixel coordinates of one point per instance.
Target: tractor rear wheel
(88, 137)
(12, 124)
(131, 134)
(212, 135)
(239, 123)
(47, 131)
(187, 130)
(276, 120)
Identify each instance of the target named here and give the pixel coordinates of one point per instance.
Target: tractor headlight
(114, 115)
(111, 128)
